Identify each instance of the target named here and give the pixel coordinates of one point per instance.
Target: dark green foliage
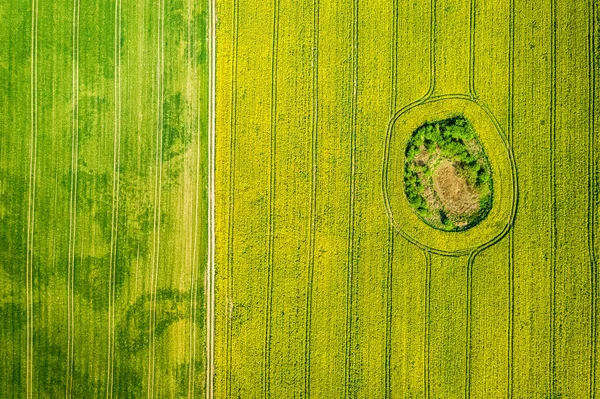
(176, 134)
(13, 223)
(450, 140)
(171, 306)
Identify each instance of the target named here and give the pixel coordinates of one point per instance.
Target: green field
(103, 169)
(322, 289)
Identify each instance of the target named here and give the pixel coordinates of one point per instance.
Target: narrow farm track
(73, 202)
(510, 132)
(353, 308)
(391, 232)
(272, 205)
(552, 220)
(93, 304)
(114, 229)
(313, 198)
(593, 196)
(156, 228)
(31, 199)
(350, 283)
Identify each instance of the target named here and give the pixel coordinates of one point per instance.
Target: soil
(455, 194)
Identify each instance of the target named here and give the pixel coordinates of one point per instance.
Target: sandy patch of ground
(455, 194)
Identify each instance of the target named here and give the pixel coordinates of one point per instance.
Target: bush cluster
(452, 139)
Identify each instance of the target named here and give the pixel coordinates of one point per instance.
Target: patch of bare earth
(457, 197)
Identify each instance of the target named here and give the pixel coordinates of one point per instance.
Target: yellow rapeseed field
(328, 285)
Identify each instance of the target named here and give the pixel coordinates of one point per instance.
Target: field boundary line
(313, 198)
(591, 222)
(230, 227)
(210, 261)
(272, 189)
(31, 200)
(73, 202)
(348, 389)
